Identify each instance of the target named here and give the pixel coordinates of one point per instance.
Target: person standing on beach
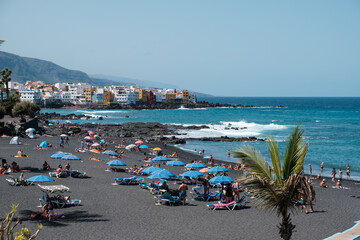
(211, 161)
(333, 175)
(348, 171)
(310, 170)
(182, 192)
(340, 174)
(61, 142)
(82, 145)
(321, 167)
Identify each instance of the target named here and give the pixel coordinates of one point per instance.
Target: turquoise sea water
(332, 126)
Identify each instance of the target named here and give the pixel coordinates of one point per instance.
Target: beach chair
(15, 182)
(169, 199)
(240, 204)
(228, 206)
(204, 197)
(77, 174)
(59, 175)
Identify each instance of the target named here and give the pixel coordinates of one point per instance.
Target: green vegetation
(25, 108)
(277, 189)
(7, 228)
(2, 112)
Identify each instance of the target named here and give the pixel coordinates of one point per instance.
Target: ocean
(332, 126)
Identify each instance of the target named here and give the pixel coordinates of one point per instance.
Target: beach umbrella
(192, 174)
(161, 174)
(50, 124)
(91, 133)
(43, 144)
(59, 155)
(63, 135)
(96, 136)
(207, 157)
(95, 145)
(94, 151)
(102, 141)
(204, 170)
(175, 163)
(139, 142)
(157, 149)
(116, 163)
(70, 132)
(88, 138)
(130, 146)
(110, 153)
(70, 157)
(68, 121)
(218, 169)
(221, 179)
(40, 178)
(143, 146)
(160, 158)
(151, 170)
(196, 165)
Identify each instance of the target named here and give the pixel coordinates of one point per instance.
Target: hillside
(31, 69)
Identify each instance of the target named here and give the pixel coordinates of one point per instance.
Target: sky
(224, 48)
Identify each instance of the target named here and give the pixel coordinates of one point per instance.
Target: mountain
(32, 69)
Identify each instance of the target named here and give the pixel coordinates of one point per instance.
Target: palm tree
(6, 79)
(277, 189)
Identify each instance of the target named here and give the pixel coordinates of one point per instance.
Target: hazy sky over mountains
(227, 48)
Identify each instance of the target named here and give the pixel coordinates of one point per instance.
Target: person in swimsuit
(348, 171)
(182, 192)
(321, 167)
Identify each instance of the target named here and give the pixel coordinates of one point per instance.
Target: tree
(277, 189)
(2, 89)
(7, 228)
(5, 74)
(25, 108)
(2, 112)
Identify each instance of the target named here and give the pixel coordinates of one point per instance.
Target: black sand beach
(129, 212)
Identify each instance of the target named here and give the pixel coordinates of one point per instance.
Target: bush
(25, 108)
(2, 112)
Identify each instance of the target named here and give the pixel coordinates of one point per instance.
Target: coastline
(130, 210)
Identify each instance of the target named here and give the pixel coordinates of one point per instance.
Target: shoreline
(130, 210)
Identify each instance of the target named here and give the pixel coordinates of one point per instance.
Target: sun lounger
(170, 200)
(228, 206)
(204, 197)
(128, 181)
(153, 185)
(16, 182)
(59, 175)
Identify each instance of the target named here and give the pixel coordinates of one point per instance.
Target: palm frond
(255, 162)
(295, 153)
(273, 149)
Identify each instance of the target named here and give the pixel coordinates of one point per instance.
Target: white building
(60, 86)
(133, 97)
(65, 97)
(33, 95)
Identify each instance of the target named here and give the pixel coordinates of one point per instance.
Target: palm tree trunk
(286, 228)
(7, 89)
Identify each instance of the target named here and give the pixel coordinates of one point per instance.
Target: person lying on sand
(15, 167)
(46, 166)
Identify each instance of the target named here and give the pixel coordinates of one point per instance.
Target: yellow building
(107, 96)
(185, 94)
(170, 96)
(88, 92)
(142, 95)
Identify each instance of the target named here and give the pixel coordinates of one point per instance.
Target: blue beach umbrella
(207, 157)
(116, 163)
(143, 146)
(196, 165)
(175, 163)
(161, 174)
(151, 170)
(40, 178)
(110, 153)
(217, 169)
(192, 174)
(43, 144)
(221, 179)
(160, 158)
(50, 124)
(59, 155)
(70, 157)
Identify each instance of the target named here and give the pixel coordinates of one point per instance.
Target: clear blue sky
(225, 48)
